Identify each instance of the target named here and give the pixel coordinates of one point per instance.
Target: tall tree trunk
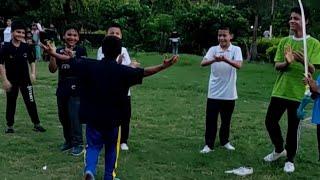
(253, 49)
(272, 17)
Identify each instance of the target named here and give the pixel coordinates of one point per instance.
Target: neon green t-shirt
(289, 84)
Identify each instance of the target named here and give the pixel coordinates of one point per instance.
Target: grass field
(167, 131)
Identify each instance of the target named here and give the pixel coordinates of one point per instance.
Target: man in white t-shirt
(224, 60)
(115, 30)
(7, 32)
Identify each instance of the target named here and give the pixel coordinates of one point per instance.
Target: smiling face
(224, 37)
(295, 22)
(71, 37)
(19, 35)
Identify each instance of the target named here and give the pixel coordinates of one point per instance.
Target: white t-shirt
(125, 61)
(223, 76)
(7, 34)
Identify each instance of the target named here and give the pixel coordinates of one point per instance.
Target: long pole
(304, 39)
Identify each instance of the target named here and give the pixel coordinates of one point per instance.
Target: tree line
(147, 24)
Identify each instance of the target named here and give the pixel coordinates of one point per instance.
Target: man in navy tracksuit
(104, 88)
(15, 58)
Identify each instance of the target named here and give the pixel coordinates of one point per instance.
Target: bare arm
(33, 68)
(206, 62)
(155, 69)
(281, 66)
(5, 82)
(314, 88)
(235, 64)
(33, 72)
(52, 52)
(3, 73)
(290, 56)
(52, 65)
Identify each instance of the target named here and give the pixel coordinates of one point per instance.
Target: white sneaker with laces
(229, 147)
(124, 147)
(206, 149)
(274, 156)
(288, 167)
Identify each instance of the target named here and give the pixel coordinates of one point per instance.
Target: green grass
(167, 130)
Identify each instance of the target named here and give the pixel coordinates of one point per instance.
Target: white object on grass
(241, 171)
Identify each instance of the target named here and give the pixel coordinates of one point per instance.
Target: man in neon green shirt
(288, 90)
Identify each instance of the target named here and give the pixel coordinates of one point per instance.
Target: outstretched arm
(148, 71)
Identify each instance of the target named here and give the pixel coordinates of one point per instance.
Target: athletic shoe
(229, 147)
(9, 130)
(274, 156)
(205, 150)
(288, 167)
(65, 147)
(124, 147)
(39, 128)
(88, 175)
(77, 150)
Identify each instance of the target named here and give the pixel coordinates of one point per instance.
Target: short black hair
(114, 25)
(71, 26)
(298, 11)
(111, 47)
(224, 28)
(17, 25)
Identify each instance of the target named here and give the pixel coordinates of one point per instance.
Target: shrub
(266, 48)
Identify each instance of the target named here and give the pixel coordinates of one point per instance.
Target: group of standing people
(287, 92)
(103, 102)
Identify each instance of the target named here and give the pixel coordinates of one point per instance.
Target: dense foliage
(147, 24)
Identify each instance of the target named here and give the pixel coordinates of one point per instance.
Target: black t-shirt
(104, 90)
(69, 83)
(16, 61)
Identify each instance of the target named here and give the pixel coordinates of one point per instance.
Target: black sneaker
(9, 130)
(39, 128)
(77, 150)
(65, 147)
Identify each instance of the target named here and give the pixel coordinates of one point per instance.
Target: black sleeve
(81, 52)
(59, 50)
(79, 66)
(31, 55)
(133, 76)
(84, 52)
(2, 56)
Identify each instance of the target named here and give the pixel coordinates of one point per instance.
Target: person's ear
(231, 36)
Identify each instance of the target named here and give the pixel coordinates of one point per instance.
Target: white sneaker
(124, 147)
(229, 147)
(274, 156)
(206, 149)
(288, 167)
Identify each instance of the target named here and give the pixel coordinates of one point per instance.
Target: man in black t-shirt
(104, 88)
(15, 58)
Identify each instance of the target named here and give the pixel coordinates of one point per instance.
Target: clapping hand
(289, 55)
